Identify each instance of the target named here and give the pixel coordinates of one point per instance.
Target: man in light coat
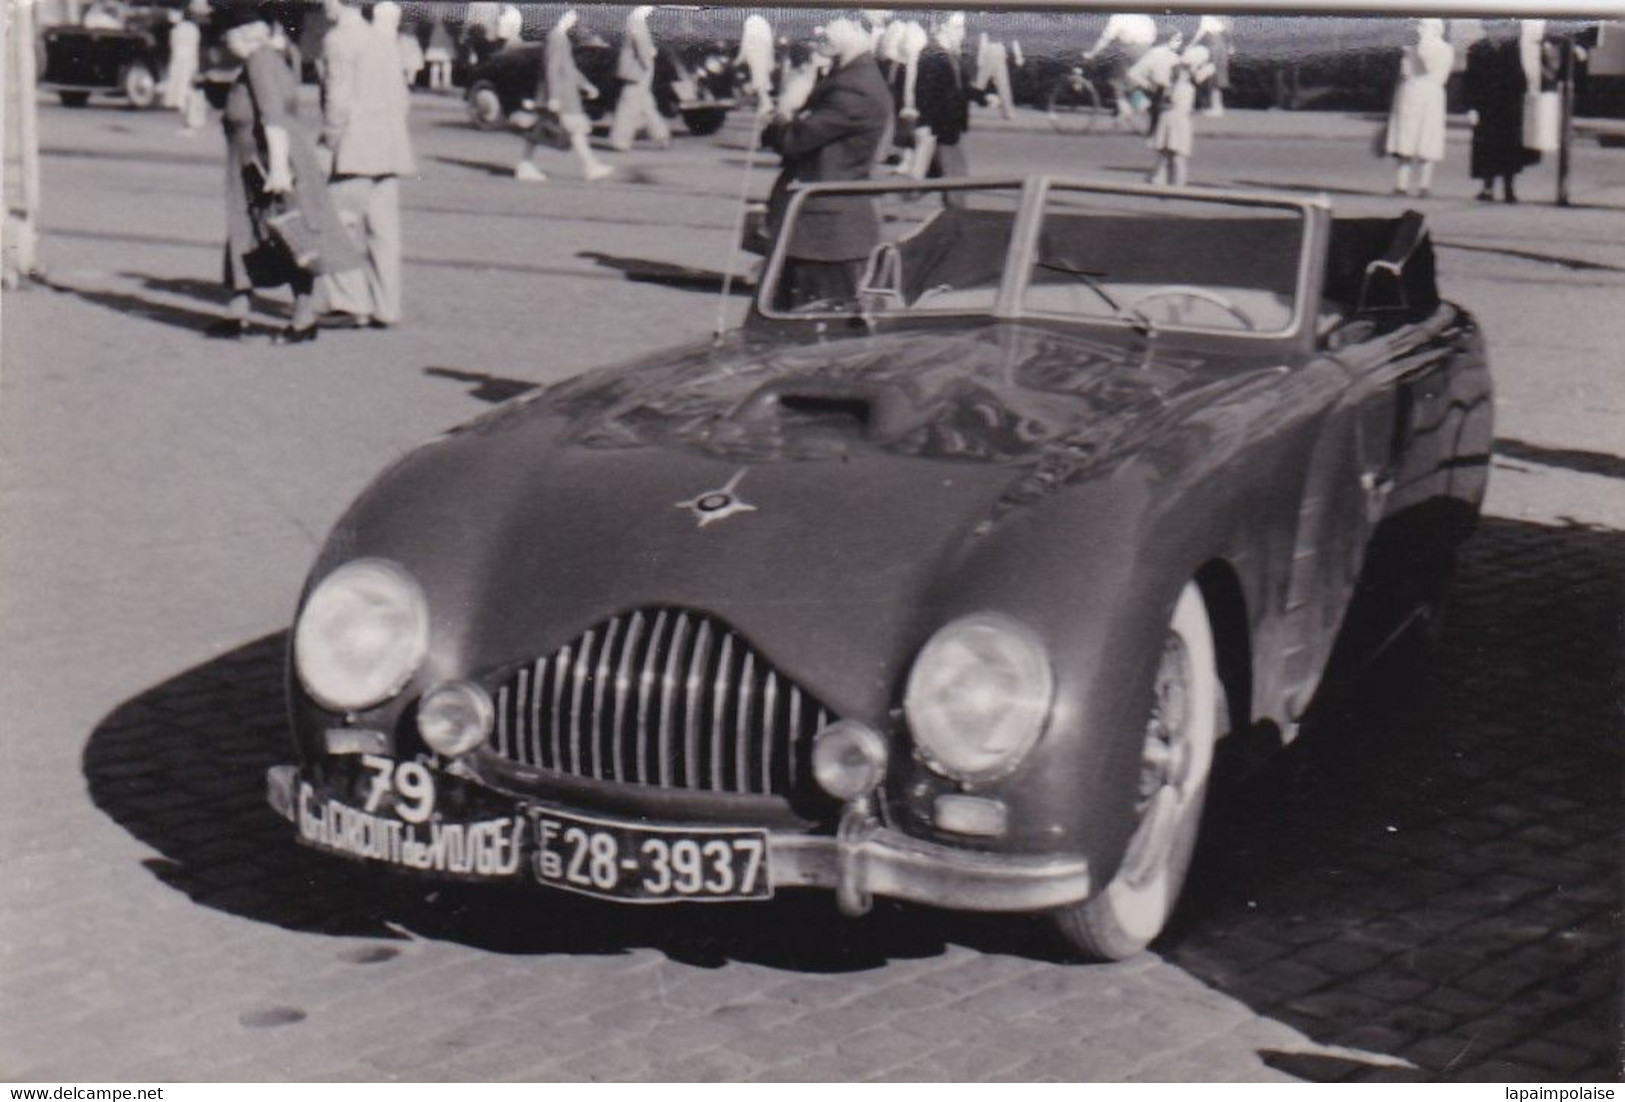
(364, 106)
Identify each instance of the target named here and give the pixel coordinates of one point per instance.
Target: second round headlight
(454, 717)
(979, 696)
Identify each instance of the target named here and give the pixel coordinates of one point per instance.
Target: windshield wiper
(1140, 322)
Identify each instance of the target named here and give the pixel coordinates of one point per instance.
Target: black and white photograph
(698, 544)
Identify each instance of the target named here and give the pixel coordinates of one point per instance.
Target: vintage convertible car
(941, 589)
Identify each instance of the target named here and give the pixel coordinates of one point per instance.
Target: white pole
(756, 122)
(18, 78)
(28, 107)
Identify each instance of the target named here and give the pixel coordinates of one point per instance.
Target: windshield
(1166, 262)
(1131, 258)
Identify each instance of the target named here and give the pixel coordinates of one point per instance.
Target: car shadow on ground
(1431, 875)
(1573, 459)
(483, 386)
(1433, 870)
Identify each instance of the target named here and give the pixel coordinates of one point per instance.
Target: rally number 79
(409, 783)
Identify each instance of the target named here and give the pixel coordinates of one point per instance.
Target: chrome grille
(662, 697)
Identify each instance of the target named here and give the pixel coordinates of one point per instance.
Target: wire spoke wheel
(1176, 756)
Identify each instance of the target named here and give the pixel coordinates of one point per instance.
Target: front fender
(1078, 574)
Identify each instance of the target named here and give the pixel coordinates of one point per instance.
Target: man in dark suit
(944, 96)
(834, 136)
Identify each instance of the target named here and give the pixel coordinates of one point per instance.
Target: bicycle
(1077, 103)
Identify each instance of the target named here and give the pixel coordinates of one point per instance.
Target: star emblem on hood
(718, 504)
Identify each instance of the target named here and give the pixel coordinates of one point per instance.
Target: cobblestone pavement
(1426, 886)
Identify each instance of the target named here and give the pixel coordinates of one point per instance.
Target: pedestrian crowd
(874, 91)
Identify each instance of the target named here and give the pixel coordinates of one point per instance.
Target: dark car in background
(128, 63)
(947, 590)
(688, 84)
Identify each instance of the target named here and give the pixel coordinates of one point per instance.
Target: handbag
(283, 220)
(1542, 119)
(288, 226)
(549, 130)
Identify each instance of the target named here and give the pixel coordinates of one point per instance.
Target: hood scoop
(877, 411)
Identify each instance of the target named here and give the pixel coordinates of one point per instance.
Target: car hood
(828, 501)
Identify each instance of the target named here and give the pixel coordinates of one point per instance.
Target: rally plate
(649, 864)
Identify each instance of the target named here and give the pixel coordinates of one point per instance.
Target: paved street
(1427, 886)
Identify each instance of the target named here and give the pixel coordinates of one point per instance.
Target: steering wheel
(1202, 293)
(822, 306)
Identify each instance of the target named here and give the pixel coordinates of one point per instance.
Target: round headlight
(978, 696)
(454, 717)
(849, 759)
(361, 635)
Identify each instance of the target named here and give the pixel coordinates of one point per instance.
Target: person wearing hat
(271, 172)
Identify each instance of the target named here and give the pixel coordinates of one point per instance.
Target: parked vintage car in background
(690, 86)
(945, 590)
(81, 62)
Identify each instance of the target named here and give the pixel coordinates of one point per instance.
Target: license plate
(476, 849)
(639, 864)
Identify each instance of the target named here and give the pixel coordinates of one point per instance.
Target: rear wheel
(1176, 758)
(140, 85)
(73, 99)
(1073, 105)
(485, 106)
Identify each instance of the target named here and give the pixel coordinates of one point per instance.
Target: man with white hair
(636, 110)
(834, 136)
(364, 106)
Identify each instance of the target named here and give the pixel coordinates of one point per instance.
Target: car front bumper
(864, 859)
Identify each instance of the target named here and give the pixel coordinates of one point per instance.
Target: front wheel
(140, 86)
(485, 107)
(73, 99)
(1176, 758)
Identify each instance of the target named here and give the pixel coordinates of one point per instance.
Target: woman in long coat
(1416, 121)
(562, 87)
(1494, 84)
(271, 170)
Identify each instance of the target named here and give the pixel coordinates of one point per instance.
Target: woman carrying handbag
(561, 120)
(281, 228)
